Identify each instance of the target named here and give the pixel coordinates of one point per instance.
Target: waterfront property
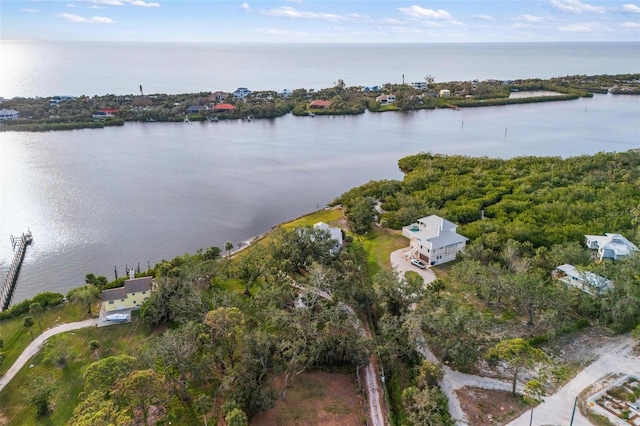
(223, 108)
(9, 114)
(386, 99)
(320, 104)
(129, 297)
(445, 93)
(433, 240)
(218, 96)
(586, 281)
(420, 85)
(241, 93)
(196, 109)
(610, 246)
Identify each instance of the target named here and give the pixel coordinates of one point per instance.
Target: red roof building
(109, 111)
(320, 104)
(224, 107)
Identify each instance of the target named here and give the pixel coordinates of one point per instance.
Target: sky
(324, 21)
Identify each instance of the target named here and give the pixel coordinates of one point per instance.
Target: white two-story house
(433, 240)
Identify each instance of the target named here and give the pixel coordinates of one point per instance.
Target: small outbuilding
(586, 281)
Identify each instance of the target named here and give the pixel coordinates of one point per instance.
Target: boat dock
(19, 248)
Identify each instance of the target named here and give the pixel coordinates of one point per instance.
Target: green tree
(28, 323)
(361, 215)
(36, 309)
(40, 392)
(426, 406)
(84, 296)
(140, 390)
(518, 354)
(99, 409)
(236, 417)
(228, 246)
(57, 350)
(105, 373)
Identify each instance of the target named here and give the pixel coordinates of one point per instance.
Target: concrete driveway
(402, 265)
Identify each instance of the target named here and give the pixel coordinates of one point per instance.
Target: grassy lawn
(378, 245)
(113, 340)
(17, 337)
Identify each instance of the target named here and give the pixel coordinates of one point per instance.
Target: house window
(144, 292)
(122, 300)
(111, 302)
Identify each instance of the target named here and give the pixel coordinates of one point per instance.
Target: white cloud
(530, 18)
(70, 5)
(630, 8)
(485, 17)
(138, 3)
(280, 32)
(82, 20)
(141, 3)
(290, 12)
(105, 2)
(583, 27)
(422, 13)
(29, 10)
(576, 6)
(245, 6)
(95, 6)
(630, 25)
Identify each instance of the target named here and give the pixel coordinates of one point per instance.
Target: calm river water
(95, 199)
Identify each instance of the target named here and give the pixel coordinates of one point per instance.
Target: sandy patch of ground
(317, 399)
(485, 407)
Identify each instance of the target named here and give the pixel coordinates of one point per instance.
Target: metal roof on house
(113, 294)
(138, 284)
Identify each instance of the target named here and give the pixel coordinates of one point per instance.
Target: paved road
(35, 346)
(557, 408)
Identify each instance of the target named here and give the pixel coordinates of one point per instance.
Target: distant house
(285, 93)
(320, 104)
(241, 93)
(9, 114)
(57, 99)
(196, 109)
(586, 281)
(434, 240)
(223, 108)
(386, 99)
(335, 234)
(371, 89)
(419, 85)
(218, 96)
(109, 111)
(131, 296)
(445, 93)
(610, 246)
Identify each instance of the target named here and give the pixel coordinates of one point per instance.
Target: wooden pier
(20, 248)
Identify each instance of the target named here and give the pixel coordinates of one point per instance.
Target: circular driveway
(402, 265)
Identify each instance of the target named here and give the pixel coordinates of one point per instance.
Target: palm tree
(28, 323)
(228, 246)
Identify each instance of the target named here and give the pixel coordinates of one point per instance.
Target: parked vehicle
(419, 263)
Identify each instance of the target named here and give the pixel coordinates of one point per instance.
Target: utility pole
(574, 411)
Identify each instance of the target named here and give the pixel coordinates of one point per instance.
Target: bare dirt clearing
(317, 399)
(485, 407)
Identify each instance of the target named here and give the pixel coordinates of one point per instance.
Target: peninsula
(67, 112)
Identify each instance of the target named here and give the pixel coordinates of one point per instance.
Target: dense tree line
(524, 217)
(225, 348)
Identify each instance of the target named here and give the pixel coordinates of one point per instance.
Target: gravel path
(451, 380)
(35, 346)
